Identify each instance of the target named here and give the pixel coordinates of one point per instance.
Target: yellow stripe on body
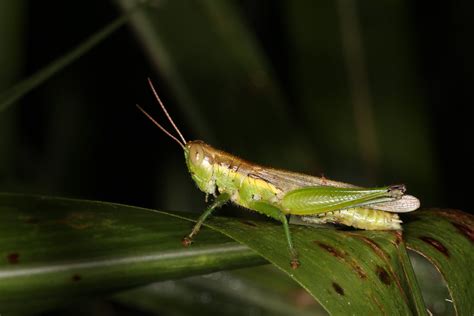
(242, 185)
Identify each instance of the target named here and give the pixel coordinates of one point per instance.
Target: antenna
(166, 112)
(161, 127)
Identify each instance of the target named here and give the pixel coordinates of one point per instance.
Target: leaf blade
(446, 239)
(341, 270)
(53, 249)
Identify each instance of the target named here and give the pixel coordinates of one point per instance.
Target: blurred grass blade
(357, 73)
(228, 21)
(446, 238)
(12, 29)
(53, 250)
(10, 96)
(220, 71)
(321, 88)
(347, 272)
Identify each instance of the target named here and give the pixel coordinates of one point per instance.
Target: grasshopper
(280, 193)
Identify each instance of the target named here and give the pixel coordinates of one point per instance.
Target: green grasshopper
(279, 193)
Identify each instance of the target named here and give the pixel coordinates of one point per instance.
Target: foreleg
(218, 202)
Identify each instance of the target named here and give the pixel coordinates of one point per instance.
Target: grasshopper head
(199, 159)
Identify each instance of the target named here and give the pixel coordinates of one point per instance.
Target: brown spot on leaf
(13, 258)
(249, 223)
(76, 277)
(358, 269)
(341, 255)
(383, 275)
(436, 244)
(375, 246)
(78, 220)
(398, 237)
(456, 216)
(333, 251)
(466, 231)
(339, 290)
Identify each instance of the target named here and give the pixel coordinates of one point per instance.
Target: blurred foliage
(362, 93)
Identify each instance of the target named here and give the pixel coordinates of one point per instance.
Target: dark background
(80, 135)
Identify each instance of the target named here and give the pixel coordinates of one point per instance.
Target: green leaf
(54, 249)
(68, 247)
(446, 238)
(361, 272)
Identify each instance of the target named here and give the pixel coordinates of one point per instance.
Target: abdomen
(358, 217)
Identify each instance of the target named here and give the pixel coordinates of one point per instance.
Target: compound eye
(196, 154)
